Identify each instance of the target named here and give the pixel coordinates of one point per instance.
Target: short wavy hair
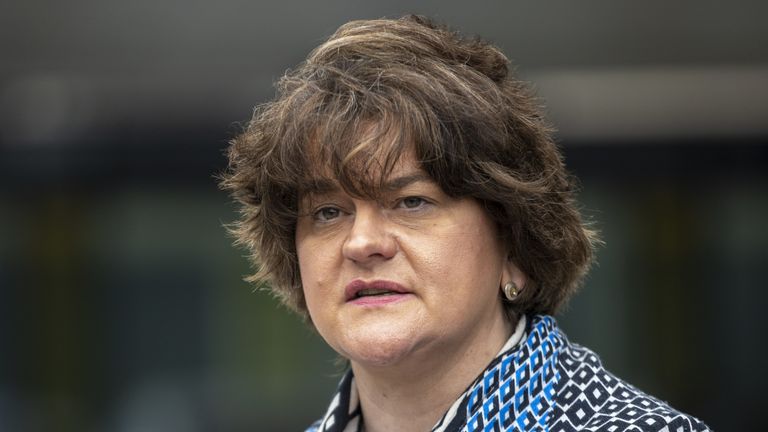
(379, 88)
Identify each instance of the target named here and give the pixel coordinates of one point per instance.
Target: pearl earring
(510, 291)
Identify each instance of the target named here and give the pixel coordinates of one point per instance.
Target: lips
(359, 289)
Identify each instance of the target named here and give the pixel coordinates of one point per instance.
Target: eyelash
(319, 216)
(421, 202)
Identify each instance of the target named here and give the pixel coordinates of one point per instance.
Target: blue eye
(412, 202)
(325, 214)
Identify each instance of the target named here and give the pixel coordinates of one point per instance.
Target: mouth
(373, 290)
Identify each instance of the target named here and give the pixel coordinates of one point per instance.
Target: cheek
(458, 259)
(316, 269)
(308, 271)
(467, 262)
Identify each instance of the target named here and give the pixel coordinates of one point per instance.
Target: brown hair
(375, 90)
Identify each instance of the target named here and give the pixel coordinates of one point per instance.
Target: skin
(414, 355)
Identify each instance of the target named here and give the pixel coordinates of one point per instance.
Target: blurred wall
(121, 301)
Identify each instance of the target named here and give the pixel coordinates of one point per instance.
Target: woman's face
(415, 272)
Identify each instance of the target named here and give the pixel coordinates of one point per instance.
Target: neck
(413, 394)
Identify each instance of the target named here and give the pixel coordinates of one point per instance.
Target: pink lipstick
(372, 293)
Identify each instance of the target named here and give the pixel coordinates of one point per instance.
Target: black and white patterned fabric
(542, 382)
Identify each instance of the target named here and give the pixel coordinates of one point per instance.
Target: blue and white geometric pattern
(544, 383)
(593, 399)
(517, 391)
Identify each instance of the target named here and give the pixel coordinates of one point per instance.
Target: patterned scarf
(543, 383)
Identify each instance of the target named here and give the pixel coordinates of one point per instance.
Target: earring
(510, 291)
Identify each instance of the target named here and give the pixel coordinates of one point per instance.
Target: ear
(511, 273)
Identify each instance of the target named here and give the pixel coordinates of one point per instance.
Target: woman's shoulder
(590, 397)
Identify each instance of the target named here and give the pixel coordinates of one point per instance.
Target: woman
(404, 194)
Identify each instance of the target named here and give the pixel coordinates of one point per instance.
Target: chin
(380, 350)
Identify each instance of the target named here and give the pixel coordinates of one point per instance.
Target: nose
(370, 239)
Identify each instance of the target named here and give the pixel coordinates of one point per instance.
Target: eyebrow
(398, 183)
(325, 185)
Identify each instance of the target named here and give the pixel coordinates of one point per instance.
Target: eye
(412, 202)
(325, 214)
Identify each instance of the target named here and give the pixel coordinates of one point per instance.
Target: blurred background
(122, 305)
